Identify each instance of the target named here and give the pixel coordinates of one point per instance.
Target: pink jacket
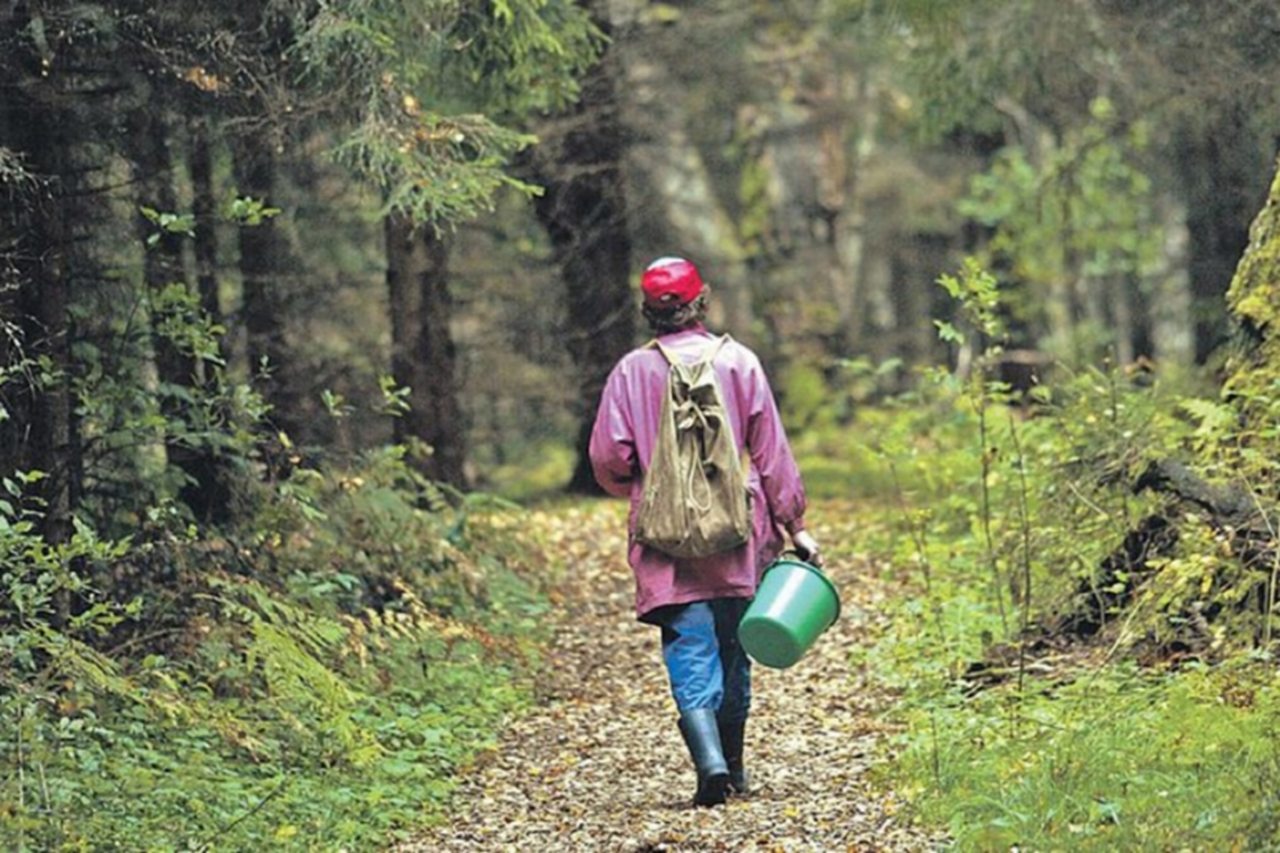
(622, 443)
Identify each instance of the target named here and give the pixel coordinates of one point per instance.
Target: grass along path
(599, 763)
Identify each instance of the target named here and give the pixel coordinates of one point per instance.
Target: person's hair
(664, 320)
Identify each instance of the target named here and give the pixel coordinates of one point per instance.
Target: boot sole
(713, 790)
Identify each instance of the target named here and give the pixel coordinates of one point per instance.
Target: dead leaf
(599, 764)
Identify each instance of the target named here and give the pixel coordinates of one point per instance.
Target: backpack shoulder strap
(666, 353)
(708, 356)
(714, 350)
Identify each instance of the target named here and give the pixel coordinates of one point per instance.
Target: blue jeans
(706, 665)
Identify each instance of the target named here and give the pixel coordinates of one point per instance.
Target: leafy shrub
(1083, 750)
(1113, 759)
(1002, 520)
(314, 679)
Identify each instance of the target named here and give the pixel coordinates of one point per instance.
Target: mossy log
(1232, 510)
(1120, 574)
(1246, 516)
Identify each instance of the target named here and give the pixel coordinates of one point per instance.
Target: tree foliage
(231, 604)
(251, 670)
(425, 88)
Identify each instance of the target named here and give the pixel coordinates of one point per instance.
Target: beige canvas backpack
(695, 500)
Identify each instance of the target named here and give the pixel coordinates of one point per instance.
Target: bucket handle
(804, 558)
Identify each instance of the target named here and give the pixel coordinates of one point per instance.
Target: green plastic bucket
(795, 603)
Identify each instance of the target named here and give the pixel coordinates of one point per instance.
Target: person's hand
(807, 547)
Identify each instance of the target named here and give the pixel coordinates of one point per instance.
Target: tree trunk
(1218, 168)
(162, 256)
(17, 196)
(914, 265)
(204, 207)
(584, 210)
(843, 179)
(40, 433)
(676, 204)
(264, 269)
(202, 490)
(1170, 299)
(1124, 319)
(1254, 302)
(423, 356)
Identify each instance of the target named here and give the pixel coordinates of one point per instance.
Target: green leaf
(949, 333)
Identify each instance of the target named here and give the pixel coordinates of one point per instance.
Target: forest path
(599, 763)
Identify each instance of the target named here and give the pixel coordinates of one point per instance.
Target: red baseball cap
(668, 282)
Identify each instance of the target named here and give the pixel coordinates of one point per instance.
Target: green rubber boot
(731, 739)
(698, 726)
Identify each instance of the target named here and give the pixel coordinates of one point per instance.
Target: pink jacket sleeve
(613, 448)
(771, 454)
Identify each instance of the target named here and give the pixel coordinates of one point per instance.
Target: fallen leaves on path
(599, 763)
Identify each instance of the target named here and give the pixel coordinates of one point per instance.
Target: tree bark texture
(1219, 166)
(204, 207)
(584, 211)
(1254, 301)
(40, 433)
(674, 207)
(423, 356)
(265, 269)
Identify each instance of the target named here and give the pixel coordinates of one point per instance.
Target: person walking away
(697, 599)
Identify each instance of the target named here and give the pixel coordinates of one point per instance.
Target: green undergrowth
(994, 520)
(314, 681)
(533, 474)
(1109, 758)
(1063, 679)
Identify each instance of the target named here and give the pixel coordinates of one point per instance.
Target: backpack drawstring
(690, 417)
(695, 419)
(691, 524)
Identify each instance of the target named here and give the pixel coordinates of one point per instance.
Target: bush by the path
(1115, 759)
(1158, 728)
(315, 678)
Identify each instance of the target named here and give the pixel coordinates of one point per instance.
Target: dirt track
(599, 764)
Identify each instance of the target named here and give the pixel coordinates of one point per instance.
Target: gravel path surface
(599, 763)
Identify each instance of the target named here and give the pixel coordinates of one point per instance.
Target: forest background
(301, 301)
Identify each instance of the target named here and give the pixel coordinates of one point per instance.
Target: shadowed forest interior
(305, 311)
